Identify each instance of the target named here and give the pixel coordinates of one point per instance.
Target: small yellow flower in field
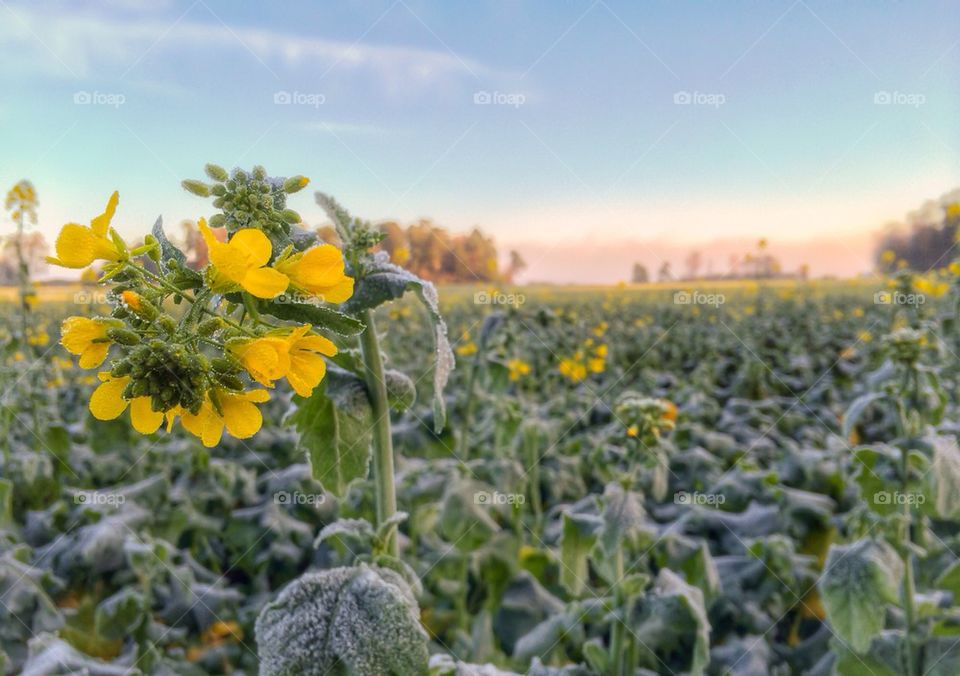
(902, 264)
(600, 329)
(319, 271)
(107, 403)
(573, 369)
(848, 353)
(596, 365)
(87, 338)
(234, 411)
(78, 245)
(888, 256)
(467, 349)
(241, 262)
(858, 312)
(954, 268)
(633, 431)
(930, 287)
(518, 369)
(39, 338)
(865, 336)
(601, 351)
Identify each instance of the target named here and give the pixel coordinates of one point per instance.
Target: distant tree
(693, 262)
(640, 274)
(664, 274)
(926, 245)
(515, 266)
(34, 248)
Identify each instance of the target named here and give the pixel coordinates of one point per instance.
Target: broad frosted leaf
(444, 665)
(884, 657)
(623, 517)
(857, 409)
(386, 282)
(577, 539)
(858, 581)
(50, 655)
(167, 250)
(320, 316)
(362, 620)
(945, 475)
(673, 624)
(546, 636)
(118, 615)
(335, 430)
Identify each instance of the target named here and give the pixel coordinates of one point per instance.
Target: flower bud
(290, 216)
(168, 324)
(295, 184)
(209, 327)
(140, 305)
(123, 336)
(198, 188)
(216, 172)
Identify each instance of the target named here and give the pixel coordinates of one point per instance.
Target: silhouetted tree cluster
(925, 245)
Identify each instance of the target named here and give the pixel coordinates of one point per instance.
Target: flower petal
(144, 419)
(253, 245)
(101, 223)
(106, 402)
(265, 283)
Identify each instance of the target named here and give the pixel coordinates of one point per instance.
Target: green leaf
(385, 282)
(945, 477)
(118, 615)
(857, 409)
(577, 539)
(885, 657)
(320, 316)
(334, 425)
(167, 250)
(858, 581)
(673, 624)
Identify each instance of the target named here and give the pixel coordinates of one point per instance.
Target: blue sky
(615, 131)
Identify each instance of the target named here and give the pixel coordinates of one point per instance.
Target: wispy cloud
(71, 43)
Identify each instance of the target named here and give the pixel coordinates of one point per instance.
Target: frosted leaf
(361, 620)
(51, 655)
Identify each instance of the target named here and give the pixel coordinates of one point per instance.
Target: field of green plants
(303, 459)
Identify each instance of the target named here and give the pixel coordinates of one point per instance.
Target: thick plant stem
(618, 655)
(908, 584)
(383, 477)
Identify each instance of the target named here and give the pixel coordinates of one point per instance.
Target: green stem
(383, 477)
(617, 636)
(908, 583)
(463, 447)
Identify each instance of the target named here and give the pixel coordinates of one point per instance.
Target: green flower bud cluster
(170, 374)
(649, 418)
(249, 199)
(905, 345)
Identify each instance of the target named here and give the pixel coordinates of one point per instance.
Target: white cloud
(75, 44)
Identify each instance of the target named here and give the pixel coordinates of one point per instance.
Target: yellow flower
(467, 349)
(888, 256)
(297, 355)
(78, 245)
(307, 366)
(266, 359)
(241, 262)
(236, 412)
(573, 369)
(601, 351)
(107, 403)
(86, 338)
(596, 365)
(320, 272)
(633, 431)
(518, 368)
